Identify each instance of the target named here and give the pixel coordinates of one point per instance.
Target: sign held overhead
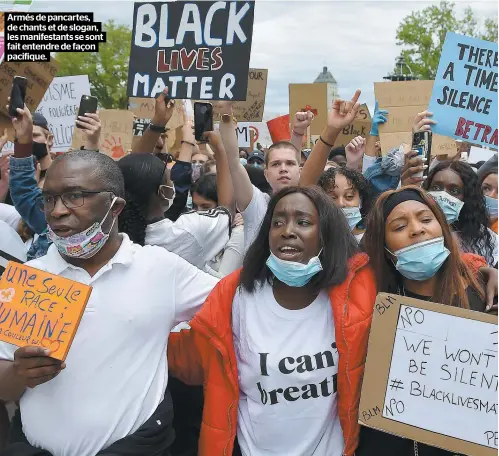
(464, 98)
(198, 49)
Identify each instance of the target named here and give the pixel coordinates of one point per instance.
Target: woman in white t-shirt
(280, 345)
(196, 236)
(205, 198)
(350, 191)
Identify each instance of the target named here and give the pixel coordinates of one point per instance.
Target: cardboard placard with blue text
(464, 97)
(40, 309)
(425, 381)
(198, 49)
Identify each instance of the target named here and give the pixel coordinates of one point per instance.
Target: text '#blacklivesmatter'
(199, 50)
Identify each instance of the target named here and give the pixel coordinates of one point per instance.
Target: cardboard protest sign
(143, 109)
(60, 107)
(313, 98)
(404, 100)
(250, 110)
(199, 49)
(39, 76)
(279, 128)
(464, 98)
(41, 309)
(361, 126)
(431, 375)
(116, 133)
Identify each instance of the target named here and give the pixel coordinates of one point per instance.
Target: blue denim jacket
(26, 195)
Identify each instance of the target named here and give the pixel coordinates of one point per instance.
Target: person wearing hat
(338, 155)
(34, 139)
(305, 153)
(487, 178)
(256, 158)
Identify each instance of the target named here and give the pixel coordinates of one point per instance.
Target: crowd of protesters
(219, 275)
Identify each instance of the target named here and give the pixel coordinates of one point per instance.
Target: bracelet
(298, 134)
(327, 144)
(157, 128)
(187, 142)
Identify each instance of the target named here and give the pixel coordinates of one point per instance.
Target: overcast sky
(295, 39)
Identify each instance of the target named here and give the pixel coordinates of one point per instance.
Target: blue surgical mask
(421, 261)
(292, 273)
(450, 205)
(353, 216)
(491, 206)
(243, 161)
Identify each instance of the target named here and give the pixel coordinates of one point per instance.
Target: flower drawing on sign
(114, 147)
(7, 294)
(52, 345)
(312, 110)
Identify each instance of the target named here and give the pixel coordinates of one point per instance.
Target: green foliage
(107, 69)
(422, 35)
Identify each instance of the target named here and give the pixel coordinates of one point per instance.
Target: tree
(107, 69)
(422, 34)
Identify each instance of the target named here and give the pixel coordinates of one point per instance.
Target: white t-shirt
(12, 247)
(196, 236)
(288, 363)
(117, 371)
(231, 258)
(9, 215)
(253, 216)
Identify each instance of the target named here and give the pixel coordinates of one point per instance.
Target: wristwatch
(157, 128)
(226, 118)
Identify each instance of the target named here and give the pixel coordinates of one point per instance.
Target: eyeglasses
(69, 199)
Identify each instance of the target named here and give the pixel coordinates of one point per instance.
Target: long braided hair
(143, 175)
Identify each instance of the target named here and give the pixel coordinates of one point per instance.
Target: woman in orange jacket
(280, 346)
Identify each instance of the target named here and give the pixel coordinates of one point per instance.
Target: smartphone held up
(421, 143)
(17, 95)
(203, 119)
(88, 105)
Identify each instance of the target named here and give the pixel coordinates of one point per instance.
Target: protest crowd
(216, 269)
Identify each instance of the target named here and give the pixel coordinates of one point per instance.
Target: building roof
(326, 76)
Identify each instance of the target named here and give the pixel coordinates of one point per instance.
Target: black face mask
(40, 150)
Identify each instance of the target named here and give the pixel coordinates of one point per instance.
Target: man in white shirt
(282, 160)
(113, 381)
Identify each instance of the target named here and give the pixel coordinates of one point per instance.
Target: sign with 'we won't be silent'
(431, 375)
(40, 309)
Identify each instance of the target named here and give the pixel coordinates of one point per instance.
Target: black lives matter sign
(199, 50)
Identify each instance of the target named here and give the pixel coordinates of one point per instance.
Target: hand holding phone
(88, 105)
(17, 95)
(203, 119)
(421, 143)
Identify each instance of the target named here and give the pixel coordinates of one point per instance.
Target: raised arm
(225, 188)
(302, 121)
(90, 126)
(342, 113)
(163, 110)
(243, 189)
(23, 186)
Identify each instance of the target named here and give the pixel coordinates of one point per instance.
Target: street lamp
(402, 71)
